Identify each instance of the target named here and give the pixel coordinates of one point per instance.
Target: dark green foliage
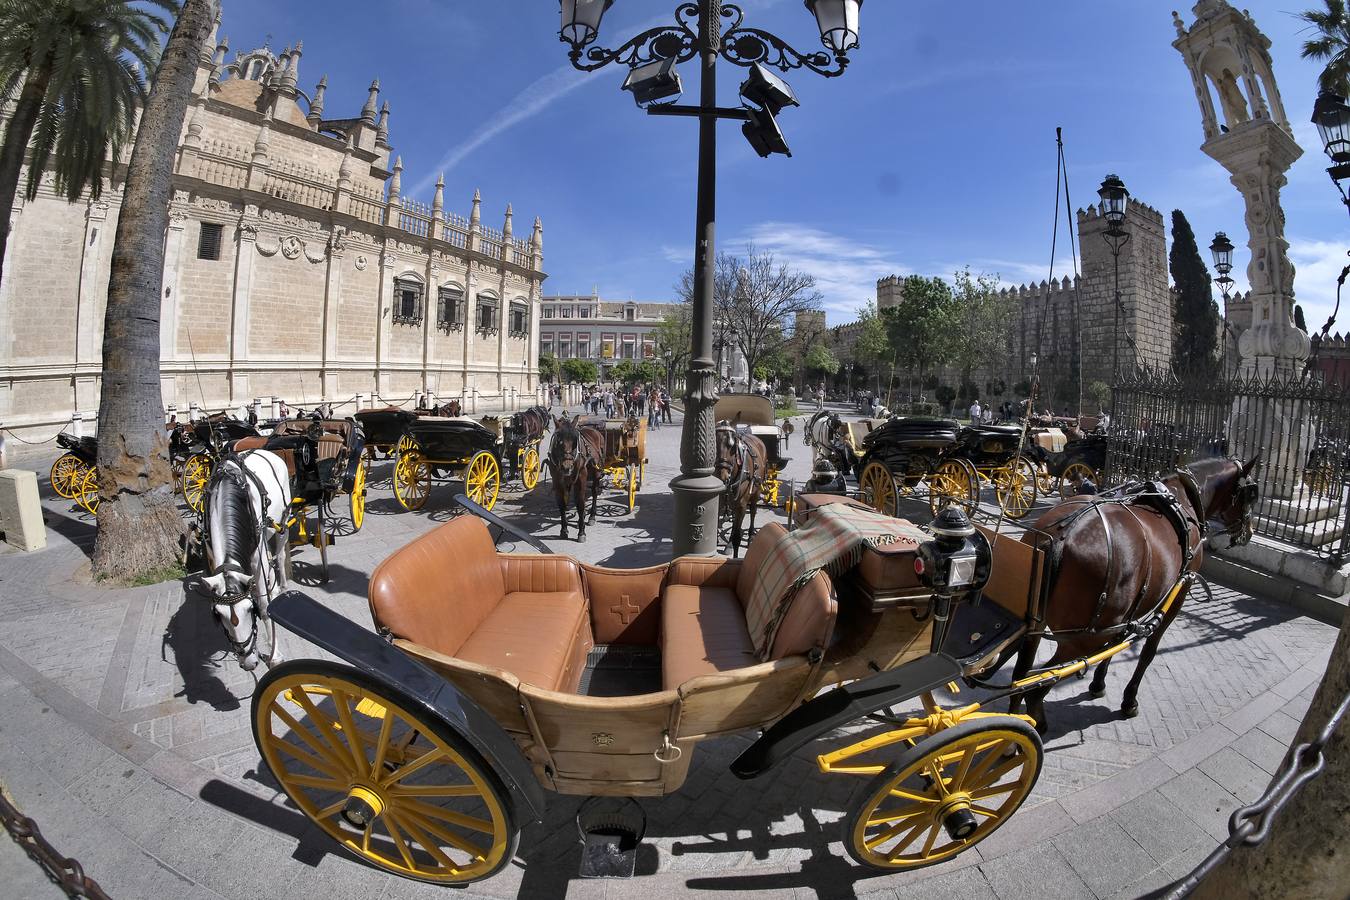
(1299, 322)
(1332, 44)
(1195, 342)
(548, 366)
(946, 394)
(579, 371)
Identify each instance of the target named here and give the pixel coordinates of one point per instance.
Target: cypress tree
(1299, 322)
(1195, 340)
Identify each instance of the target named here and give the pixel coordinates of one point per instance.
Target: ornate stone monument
(1229, 59)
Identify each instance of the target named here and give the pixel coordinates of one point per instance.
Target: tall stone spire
(316, 105)
(537, 237)
(264, 139)
(218, 64)
(438, 201)
(291, 74)
(368, 111)
(476, 214)
(382, 129)
(506, 228)
(396, 183)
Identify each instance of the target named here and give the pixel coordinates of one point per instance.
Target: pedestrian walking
(976, 412)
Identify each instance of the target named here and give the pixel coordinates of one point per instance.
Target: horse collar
(1197, 500)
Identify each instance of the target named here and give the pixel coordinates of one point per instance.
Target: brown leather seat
(449, 591)
(703, 628)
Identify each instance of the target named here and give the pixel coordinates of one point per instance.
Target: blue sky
(935, 150)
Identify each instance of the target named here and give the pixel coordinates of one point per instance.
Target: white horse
(248, 541)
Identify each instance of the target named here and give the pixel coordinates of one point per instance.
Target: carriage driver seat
(703, 621)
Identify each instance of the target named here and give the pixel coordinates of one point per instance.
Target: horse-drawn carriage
(193, 448)
(623, 447)
(906, 455)
(753, 414)
(74, 475)
(438, 447)
(384, 429)
(429, 746)
(1062, 465)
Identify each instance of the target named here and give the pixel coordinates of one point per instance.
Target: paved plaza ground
(124, 731)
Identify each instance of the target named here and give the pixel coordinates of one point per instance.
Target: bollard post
(193, 410)
(78, 424)
(276, 408)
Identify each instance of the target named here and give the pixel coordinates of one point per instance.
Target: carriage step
(611, 829)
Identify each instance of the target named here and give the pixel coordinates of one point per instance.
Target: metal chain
(39, 443)
(67, 873)
(1250, 825)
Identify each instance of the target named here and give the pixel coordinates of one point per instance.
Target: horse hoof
(581, 539)
(1094, 691)
(1129, 712)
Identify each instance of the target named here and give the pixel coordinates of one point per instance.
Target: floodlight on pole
(654, 82)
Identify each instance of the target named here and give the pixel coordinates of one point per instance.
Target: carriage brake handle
(497, 521)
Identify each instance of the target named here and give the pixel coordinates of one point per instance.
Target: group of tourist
(651, 401)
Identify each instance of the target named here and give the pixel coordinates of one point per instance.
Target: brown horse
(575, 456)
(1113, 559)
(452, 409)
(742, 465)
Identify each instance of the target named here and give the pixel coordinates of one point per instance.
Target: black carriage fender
(301, 614)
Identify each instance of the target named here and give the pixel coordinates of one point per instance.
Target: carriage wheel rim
(949, 483)
(362, 793)
(358, 496)
(66, 475)
(196, 476)
(984, 775)
(412, 481)
(876, 478)
(530, 469)
(1065, 481)
(482, 479)
(88, 497)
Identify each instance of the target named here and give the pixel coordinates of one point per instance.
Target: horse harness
(242, 476)
(1153, 495)
(745, 469)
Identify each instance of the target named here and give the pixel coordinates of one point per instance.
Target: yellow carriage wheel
(945, 794)
(1046, 484)
(412, 480)
(1071, 471)
(196, 476)
(530, 468)
(405, 443)
(878, 487)
(631, 477)
(393, 785)
(1015, 485)
(358, 495)
(951, 482)
(67, 473)
(483, 479)
(88, 495)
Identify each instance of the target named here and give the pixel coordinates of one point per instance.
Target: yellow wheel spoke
(382, 742)
(331, 809)
(964, 768)
(435, 790)
(985, 812)
(935, 773)
(908, 795)
(323, 784)
(323, 723)
(433, 848)
(449, 837)
(365, 836)
(354, 745)
(404, 771)
(932, 837)
(899, 815)
(454, 818)
(986, 793)
(311, 761)
(397, 836)
(906, 840)
(990, 775)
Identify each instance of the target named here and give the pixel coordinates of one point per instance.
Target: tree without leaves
(758, 298)
(1195, 343)
(73, 69)
(1332, 45)
(138, 523)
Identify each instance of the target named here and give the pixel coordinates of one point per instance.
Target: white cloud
(1318, 265)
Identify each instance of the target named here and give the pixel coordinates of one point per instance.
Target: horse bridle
(1245, 494)
(742, 456)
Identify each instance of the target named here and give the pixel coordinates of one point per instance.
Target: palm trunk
(1306, 855)
(138, 523)
(15, 146)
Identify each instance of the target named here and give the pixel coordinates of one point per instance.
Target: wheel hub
(956, 817)
(363, 807)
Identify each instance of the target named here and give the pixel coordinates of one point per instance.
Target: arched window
(255, 70)
(487, 318)
(450, 308)
(520, 318)
(408, 292)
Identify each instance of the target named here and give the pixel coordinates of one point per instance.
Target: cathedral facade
(294, 268)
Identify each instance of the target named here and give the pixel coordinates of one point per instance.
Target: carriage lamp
(1331, 115)
(838, 21)
(581, 21)
(1222, 251)
(1114, 199)
(957, 561)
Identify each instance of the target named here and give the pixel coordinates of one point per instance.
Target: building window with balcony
(450, 309)
(408, 292)
(520, 319)
(487, 321)
(564, 346)
(583, 346)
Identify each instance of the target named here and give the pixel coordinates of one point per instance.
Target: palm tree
(138, 523)
(1331, 44)
(75, 66)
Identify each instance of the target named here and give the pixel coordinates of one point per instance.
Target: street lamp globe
(1222, 250)
(838, 21)
(1332, 118)
(581, 20)
(1114, 199)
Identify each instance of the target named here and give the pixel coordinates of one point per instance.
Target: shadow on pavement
(199, 650)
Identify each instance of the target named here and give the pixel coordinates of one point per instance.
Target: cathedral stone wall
(299, 301)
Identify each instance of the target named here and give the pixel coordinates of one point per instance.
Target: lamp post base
(696, 514)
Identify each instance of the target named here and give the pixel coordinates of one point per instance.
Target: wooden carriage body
(385, 426)
(753, 414)
(529, 636)
(987, 446)
(450, 442)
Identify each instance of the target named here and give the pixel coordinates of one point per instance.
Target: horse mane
(230, 496)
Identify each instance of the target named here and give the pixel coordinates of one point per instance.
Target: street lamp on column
(1114, 200)
(1332, 118)
(1222, 251)
(704, 32)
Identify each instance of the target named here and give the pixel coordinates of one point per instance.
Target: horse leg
(560, 494)
(1098, 686)
(1026, 655)
(1129, 704)
(737, 513)
(595, 491)
(582, 484)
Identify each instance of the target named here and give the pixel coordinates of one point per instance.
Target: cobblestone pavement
(124, 731)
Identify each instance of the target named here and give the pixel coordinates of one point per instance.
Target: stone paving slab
(124, 729)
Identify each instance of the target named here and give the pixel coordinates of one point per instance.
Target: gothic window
(255, 70)
(407, 301)
(487, 320)
(450, 309)
(208, 243)
(520, 319)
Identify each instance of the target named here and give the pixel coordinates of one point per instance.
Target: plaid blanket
(832, 541)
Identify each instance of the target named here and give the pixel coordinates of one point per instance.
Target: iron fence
(1300, 426)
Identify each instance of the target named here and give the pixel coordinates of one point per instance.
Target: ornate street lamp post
(704, 31)
(1114, 199)
(1332, 118)
(1222, 251)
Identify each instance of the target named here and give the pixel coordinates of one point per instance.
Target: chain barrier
(39, 443)
(1250, 825)
(65, 872)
